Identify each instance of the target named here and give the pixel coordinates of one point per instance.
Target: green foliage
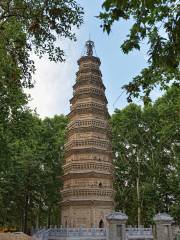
(30, 165)
(147, 164)
(146, 146)
(31, 150)
(26, 27)
(158, 24)
(53, 136)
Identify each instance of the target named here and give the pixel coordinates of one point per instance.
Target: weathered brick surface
(88, 189)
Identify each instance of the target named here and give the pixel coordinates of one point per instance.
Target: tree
(53, 137)
(168, 113)
(30, 170)
(145, 142)
(156, 23)
(27, 27)
(129, 143)
(20, 170)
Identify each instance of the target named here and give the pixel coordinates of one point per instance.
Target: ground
(14, 236)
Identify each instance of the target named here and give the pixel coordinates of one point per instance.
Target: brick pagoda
(87, 195)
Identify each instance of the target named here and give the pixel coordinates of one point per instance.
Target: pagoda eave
(91, 82)
(87, 111)
(74, 175)
(86, 202)
(87, 58)
(88, 150)
(88, 164)
(87, 129)
(88, 95)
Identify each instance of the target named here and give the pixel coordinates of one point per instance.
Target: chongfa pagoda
(87, 195)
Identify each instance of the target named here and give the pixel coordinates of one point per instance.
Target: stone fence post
(117, 226)
(163, 228)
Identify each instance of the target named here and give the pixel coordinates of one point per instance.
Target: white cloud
(54, 81)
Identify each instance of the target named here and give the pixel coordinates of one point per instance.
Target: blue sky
(54, 81)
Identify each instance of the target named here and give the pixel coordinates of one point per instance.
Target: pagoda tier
(87, 194)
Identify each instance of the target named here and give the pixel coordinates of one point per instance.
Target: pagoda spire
(89, 47)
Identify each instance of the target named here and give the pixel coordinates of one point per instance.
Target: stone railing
(89, 233)
(139, 233)
(70, 233)
(41, 234)
(116, 230)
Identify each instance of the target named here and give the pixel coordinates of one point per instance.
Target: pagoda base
(85, 214)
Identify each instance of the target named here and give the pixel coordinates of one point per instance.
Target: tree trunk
(25, 230)
(138, 202)
(49, 218)
(138, 193)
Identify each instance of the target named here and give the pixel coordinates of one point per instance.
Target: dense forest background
(146, 158)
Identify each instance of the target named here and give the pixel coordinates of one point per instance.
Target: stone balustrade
(115, 230)
(139, 233)
(89, 234)
(70, 234)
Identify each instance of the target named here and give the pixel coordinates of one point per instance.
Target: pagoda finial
(89, 47)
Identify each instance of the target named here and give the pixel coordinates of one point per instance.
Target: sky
(54, 81)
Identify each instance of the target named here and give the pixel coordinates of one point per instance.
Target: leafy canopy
(26, 27)
(157, 23)
(30, 164)
(146, 146)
